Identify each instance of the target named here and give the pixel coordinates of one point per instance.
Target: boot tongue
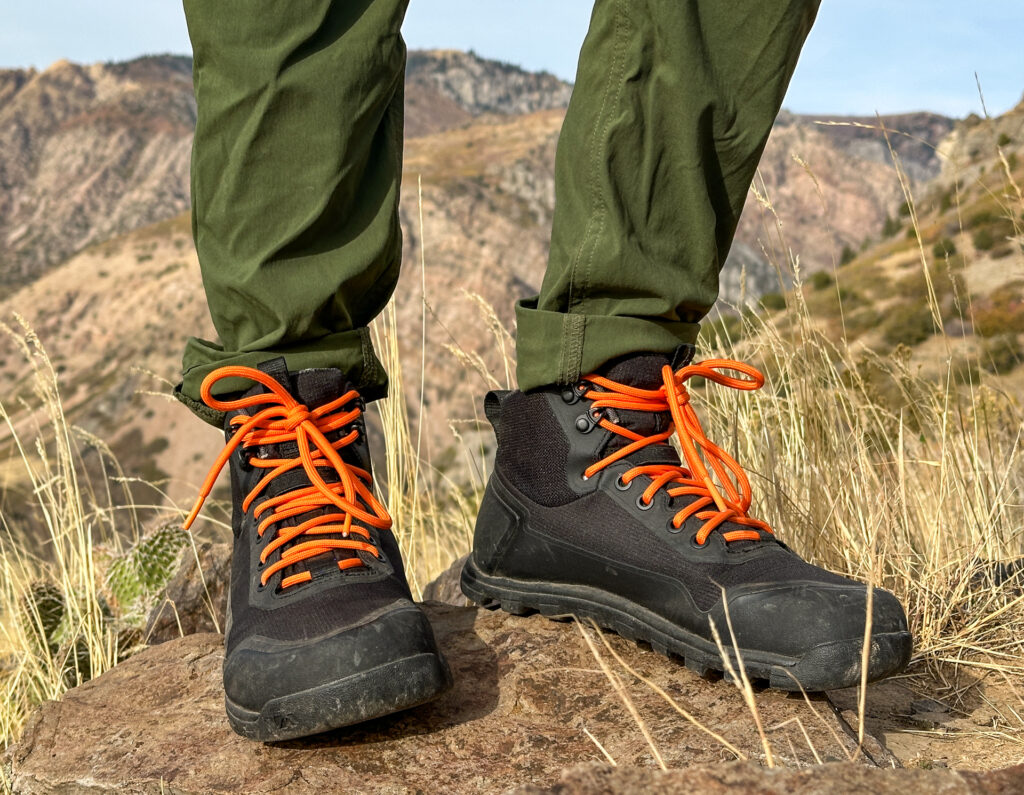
(312, 388)
(641, 371)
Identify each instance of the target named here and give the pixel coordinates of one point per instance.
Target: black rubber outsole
(828, 666)
(380, 691)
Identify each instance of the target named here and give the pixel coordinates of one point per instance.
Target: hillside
(945, 283)
(484, 156)
(88, 152)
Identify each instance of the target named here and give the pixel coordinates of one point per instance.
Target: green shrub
(821, 279)
(944, 248)
(981, 219)
(904, 210)
(891, 226)
(773, 302)
(910, 324)
(1004, 140)
(848, 255)
(984, 239)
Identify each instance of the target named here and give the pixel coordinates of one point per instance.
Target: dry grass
(862, 464)
(36, 665)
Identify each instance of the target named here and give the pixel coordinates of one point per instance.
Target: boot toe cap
(816, 631)
(260, 669)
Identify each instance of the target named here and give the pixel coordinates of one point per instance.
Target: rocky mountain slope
(87, 152)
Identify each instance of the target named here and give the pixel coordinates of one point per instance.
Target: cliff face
(87, 152)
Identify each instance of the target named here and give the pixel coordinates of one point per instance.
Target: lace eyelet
(696, 544)
(621, 485)
(644, 506)
(588, 420)
(673, 529)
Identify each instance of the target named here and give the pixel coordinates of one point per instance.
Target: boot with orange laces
(591, 512)
(322, 630)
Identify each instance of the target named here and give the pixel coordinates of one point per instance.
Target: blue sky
(863, 55)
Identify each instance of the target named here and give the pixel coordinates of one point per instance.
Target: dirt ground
(971, 723)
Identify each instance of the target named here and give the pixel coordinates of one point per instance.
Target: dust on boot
(591, 512)
(322, 631)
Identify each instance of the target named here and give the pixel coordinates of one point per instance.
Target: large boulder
(195, 599)
(530, 699)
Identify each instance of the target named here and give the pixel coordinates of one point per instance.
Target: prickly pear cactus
(136, 577)
(42, 613)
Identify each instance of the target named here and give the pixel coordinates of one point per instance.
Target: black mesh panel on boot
(526, 423)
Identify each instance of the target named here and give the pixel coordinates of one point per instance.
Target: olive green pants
(297, 165)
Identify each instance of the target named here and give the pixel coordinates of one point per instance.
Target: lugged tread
(759, 673)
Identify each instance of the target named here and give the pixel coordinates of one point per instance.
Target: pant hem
(552, 349)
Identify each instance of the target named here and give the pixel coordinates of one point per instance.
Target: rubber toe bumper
(822, 628)
(280, 690)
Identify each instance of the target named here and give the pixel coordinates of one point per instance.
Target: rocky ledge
(533, 710)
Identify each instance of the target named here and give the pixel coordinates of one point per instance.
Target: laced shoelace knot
(701, 456)
(284, 419)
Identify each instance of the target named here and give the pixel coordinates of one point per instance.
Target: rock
(751, 778)
(445, 586)
(195, 600)
(527, 692)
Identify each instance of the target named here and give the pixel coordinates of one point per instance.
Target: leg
(295, 190)
(590, 510)
(672, 107)
(295, 179)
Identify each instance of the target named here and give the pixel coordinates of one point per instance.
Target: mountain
(88, 152)
(98, 257)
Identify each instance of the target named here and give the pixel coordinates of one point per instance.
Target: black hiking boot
(590, 512)
(322, 631)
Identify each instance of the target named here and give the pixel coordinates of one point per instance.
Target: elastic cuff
(558, 348)
(349, 351)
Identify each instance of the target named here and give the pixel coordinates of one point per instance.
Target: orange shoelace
(693, 479)
(286, 420)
